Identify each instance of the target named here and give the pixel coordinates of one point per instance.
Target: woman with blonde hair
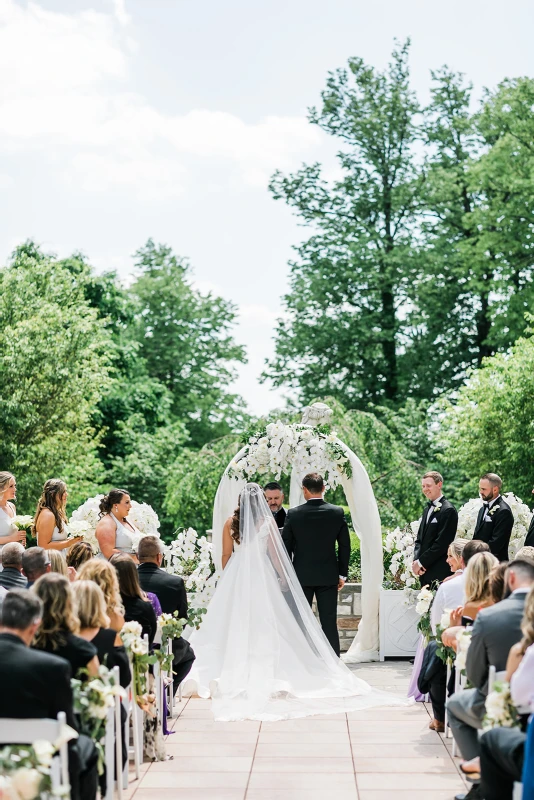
(103, 574)
(50, 521)
(8, 492)
(58, 631)
(454, 558)
(478, 593)
(95, 628)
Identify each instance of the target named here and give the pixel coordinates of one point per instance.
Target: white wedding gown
(260, 652)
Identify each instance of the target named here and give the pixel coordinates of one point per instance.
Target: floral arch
(312, 447)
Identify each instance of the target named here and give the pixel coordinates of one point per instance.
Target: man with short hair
(495, 519)
(35, 562)
(39, 685)
(170, 590)
(11, 576)
(437, 530)
(310, 534)
(275, 499)
(496, 629)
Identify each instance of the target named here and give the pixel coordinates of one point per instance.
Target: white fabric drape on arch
(364, 512)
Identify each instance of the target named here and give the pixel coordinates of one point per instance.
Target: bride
(260, 652)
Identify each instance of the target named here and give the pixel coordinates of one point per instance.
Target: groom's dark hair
(313, 482)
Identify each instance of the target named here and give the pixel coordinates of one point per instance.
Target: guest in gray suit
(495, 631)
(11, 576)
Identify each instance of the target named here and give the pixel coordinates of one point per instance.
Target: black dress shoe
(472, 794)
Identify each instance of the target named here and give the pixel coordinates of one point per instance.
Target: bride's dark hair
(234, 527)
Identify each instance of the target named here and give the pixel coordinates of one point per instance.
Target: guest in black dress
(58, 631)
(137, 606)
(94, 627)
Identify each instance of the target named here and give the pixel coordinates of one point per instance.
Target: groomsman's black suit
(170, 591)
(310, 535)
(39, 688)
(497, 528)
(435, 534)
(529, 541)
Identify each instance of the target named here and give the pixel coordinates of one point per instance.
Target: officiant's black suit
(433, 539)
(497, 529)
(170, 591)
(310, 534)
(529, 541)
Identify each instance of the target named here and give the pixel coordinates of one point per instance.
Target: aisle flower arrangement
(191, 557)
(92, 698)
(423, 605)
(468, 513)
(447, 654)
(140, 657)
(25, 770)
(463, 639)
(171, 627)
(279, 448)
(400, 544)
(141, 515)
(500, 710)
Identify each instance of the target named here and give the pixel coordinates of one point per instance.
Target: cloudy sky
(127, 119)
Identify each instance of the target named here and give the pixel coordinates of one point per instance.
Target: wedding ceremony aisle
(378, 754)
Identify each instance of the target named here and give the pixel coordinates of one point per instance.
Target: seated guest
(59, 627)
(115, 533)
(170, 590)
(477, 585)
(526, 551)
(137, 606)
(502, 749)
(495, 631)
(11, 577)
(58, 563)
(454, 558)
(94, 627)
(275, 499)
(78, 555)
(39, 685)
(498, 581)
(35, 562)
(103, 574)
(450, 594)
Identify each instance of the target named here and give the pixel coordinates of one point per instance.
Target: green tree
(186, 344)
(347, 323)
(53, 370)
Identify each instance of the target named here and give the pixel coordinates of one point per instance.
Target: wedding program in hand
(261, 653)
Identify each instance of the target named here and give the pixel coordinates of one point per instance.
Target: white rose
(44, 751)
(26, 783)
(445, 621)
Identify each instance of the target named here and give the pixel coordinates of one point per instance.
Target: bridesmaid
(114, 532)
(8, 492)
(50, 523)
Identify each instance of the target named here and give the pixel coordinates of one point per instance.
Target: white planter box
(398, 625)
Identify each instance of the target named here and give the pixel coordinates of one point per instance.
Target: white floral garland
(468, 513)
(191, 557)
(279, 448)
(84, 520)
(401, 542)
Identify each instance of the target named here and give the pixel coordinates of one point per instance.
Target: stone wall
(349, 613)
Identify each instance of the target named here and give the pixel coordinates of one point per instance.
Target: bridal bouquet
(141, 515)
(278, 448)
(468, 514)
(400, 543)
(190, 556)
(500, 711)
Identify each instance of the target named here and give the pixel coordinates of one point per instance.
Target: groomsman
(437, 530)
(495, 519)
(529, 541)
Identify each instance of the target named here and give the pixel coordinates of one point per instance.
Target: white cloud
(65, 90)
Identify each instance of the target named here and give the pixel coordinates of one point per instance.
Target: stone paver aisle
(379, 754)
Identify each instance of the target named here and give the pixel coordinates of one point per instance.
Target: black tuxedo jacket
(39, 683)
(497, 532)
(170, 589)
(310, 535)
(529, 541)
(433, 540)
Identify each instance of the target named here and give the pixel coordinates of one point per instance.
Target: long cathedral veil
(261, 653)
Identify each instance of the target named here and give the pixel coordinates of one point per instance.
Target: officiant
(275, 498)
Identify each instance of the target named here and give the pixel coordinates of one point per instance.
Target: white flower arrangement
(141, 515)
(401, 543)
(445, 621)
(22, 521)
(132, 638)
(25, 770)
(500, 710)
(424, 601)
(468, 514)
(191, 557)
(463, 639)
(280, 448)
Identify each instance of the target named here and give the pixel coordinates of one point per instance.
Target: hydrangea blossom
(279, 448)
(468, 514)
(191, 557)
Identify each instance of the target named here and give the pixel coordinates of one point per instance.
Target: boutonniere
(492, 510)
(437, 507)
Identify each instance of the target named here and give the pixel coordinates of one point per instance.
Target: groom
(310, 535)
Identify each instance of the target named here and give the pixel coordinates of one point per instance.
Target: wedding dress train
(260, 652)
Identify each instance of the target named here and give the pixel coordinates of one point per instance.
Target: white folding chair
(494, 677)
(26, 731)
(113, 745)
(448, 732)
(170, 685)
(134, 715)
